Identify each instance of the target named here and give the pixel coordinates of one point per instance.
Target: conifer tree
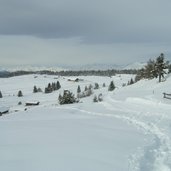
(131, 81)
(111, 86)
(39, 90)
(90, 87)
(150, 71)
(53, 87)
(100, 97)
(89, 92)
(1, 95)
(96, 86)
(160, 65)
(67, 98)
(35, 90)
(78, 89)
(58, 85)
(20, 94)
(50, 87)
(59, 98)
(169, 68)
(46, 90)
(85, 88)
(95, 99)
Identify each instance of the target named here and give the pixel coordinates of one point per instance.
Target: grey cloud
(95, 21)
(83, 31)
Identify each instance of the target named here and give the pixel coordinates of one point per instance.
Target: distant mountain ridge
(136, 65)
(95, 67)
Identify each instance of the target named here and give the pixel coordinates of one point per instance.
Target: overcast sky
(71, 32)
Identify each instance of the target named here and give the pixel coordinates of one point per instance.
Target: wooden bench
(167, 95)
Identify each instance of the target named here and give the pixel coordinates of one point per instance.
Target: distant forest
(5, 74)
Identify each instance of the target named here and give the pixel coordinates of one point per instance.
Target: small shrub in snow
(100, 97)
(90, 87)
(95, 99)
(20, 103)
(104, 85)
(39, 90)
(124, 84)
(85, 93)
(20, 94)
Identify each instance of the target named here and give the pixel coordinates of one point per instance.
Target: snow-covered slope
(136, 65)
(128, 131)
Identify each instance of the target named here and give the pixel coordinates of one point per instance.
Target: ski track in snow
(156, 156)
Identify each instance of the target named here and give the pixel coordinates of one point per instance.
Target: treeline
(89, 72)
(6, 74)
(71, 72)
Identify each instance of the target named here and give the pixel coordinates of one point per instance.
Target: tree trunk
(159, 78)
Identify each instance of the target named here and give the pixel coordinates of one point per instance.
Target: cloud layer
(98, 30)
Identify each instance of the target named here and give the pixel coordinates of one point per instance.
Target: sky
(79, 32)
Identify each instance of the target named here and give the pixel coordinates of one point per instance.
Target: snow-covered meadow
(130, 130)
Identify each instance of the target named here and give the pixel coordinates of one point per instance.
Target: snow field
(129, 130)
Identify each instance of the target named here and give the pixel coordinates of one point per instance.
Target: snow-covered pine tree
(39, 90)
(85, 88)
(46, 90)
(60, 99)
(90, 87)
(67, 98)
(53, 87)
(150, 71)
(131, 81)
(58, 85)
(100, 97)
(95, 99)
(96, 86)
(35, 89)
(160, 66)
(111, 86)
(78, 89)
(50, 87)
